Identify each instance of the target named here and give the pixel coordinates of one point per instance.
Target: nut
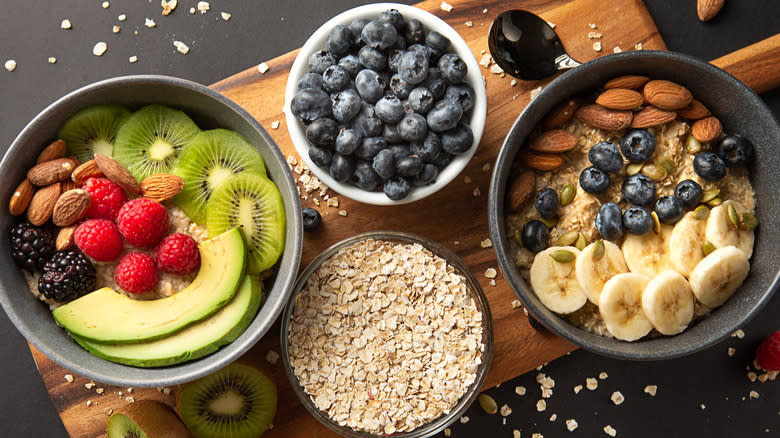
(86, 171)
(540, 160)
(70, 207)
(521, 189)
(620, 99)
(632, 82)
(21, 198)
(161, 186)
(707, 9)
(117, 173)
(707, 129)
(667, 95)
(694, 111)
(65, 238)
(555, 140)
(561, 113)
(49, 172)
(651, 116)
(42, 204)
(68, 185)
(51, 152)
(604, 118)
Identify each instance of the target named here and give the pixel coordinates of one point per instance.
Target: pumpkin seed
(693, 145)
(487, 403)
(714, 202)
(549, 223)
(701, 212)
(598, 249)
(567, 238)
(656, 223)
(733, 215)
(563, 256)
(567, 194)
(748, 221)
(581, 243)
(667, 164)
(709, 195)
(518, 236)
(654, 172)
(634, 168)
(707, 248)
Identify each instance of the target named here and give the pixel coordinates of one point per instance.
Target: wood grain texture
(757, 65)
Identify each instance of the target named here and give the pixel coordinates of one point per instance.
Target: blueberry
(457, 140)
(356, 28)
(320, 156)
(735, 150)
(322, 132)
(428, 149)
(393, 60)
(637, 220)
(453, 69)
(593, 180)
(364, 176)
(391, 134)
(347, 141)
(638, 189)
(463, 94)
(346, 105)
(443, 159)
(438, 42)
(372, 58)
(335, 79)
(311, 80)
(379, 35)
(393, 17)
(426, 176)
(547, 203)
(435, 83)
(413, 127)
(397, 188)
(311, 104)
(421, 100)
(606, 156)
(689, 192)
(311, 219)
(339, 40)
(384, 164)
(669, 209)
(389, 109)
(367, 123)
(370, 85)
(409, 166)
(414, 33)
(535, 236)
(341, 167)
(709, 166)
(413, 67)
(320, 60)
(637, 145)
(425, 50)
(609, 221)
(444, 115)
(369, 147)
(400, 151)
(351, 64)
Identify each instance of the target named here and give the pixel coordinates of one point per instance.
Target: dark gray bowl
(209, 110)
(740, 111)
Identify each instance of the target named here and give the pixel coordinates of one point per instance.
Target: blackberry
(67, 276)
(31, 247)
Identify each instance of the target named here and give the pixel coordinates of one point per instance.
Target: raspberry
(177, 254)
(136, 273)
(106, 198)
(99, 239)
(143, 222)
(768, 353)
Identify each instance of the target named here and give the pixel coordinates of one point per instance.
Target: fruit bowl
(209, 110)
(740, 111)
(473, 78)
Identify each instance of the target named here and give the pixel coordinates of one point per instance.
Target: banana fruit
(592, 274)
(668, 302)
(620, 306)
(648, 254)
(554, 282)
(685, 243)
(719, 275)
(721, 232)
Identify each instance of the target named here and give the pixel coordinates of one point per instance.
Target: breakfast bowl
(444, 166)
(369, 353)
(739, 110)
(208, 110)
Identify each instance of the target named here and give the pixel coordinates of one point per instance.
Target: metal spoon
(526, 47)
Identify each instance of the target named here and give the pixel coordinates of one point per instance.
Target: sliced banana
(555, 283)
(648, 254)
(685, 243)
(721, 232)
(668, 302)
(719, 275)
(620, 306)
(592, 274)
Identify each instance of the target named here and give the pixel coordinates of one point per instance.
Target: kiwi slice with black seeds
(206, 162)
(253, 203)
(237, 401)
(93, 130)
(149, 141)
(146, 419)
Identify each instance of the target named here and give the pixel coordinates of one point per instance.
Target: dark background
(705, 394)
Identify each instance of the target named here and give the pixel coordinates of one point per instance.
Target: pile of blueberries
(637, 146)
(386, 105)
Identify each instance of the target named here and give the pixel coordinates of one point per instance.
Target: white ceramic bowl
(473, 78)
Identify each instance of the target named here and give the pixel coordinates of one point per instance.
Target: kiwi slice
(210, 158)
(146, 419)
(93, 130)
(252, 203)
(149, 141)
(237, 401)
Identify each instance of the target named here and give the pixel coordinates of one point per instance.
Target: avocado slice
(110, 317)
(193, 342)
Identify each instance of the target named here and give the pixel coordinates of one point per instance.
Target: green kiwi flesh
(252, 203)
(122, 426)
(146, 418)
(92, 130)
(149, 141)
(237, 401)
(206, 162)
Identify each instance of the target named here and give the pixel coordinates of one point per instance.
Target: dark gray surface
(262, 29)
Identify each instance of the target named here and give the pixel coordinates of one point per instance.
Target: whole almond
(521, 189)
(620, 99)
(65, 238)
(86, 171)
(51, 152)
(116, 172)
(667, 95)
(49, 172)
(694, 111)
(540, 160)
(70, 207)
(707, 9)
(561, 114)
(21, 198)
(555, 140)
(632, 82)
(604, 118)
(68, 185)
(651, 116)
(707, 129)
(42, 204)
(161, 186)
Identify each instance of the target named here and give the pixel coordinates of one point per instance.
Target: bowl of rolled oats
(387, 333)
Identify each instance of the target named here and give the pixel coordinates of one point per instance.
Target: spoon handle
(757, 65)
(565, 62)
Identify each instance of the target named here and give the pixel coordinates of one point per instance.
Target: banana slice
(555, 283)
(685, 243)
(592, 274)
(620, 306)
(721, 232)
(668, 302)
(719, 275)
(648, 254)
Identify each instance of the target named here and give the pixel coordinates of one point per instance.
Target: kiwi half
(252, 203)
(210, 158)
(93, 130)
(149, 141)
(237, 401)
(146, 419)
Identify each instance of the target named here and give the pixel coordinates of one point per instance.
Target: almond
(161, 186)
(116, 172)
(556, 140)
(541, 160)
(707, 9)
(521, 189)
(51, 152)
(667, 95)
(65, 238)
(68, 185)
(42, 204)
(70, 207)
(86, 171)
(707, 129)
(620, 99)
(49, 172)
(651, 116)
(604, 118)
(21, 198)
(694, 111)
(561, 113)
(632, 82)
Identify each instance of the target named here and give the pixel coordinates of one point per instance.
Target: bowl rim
(474, 78)
(185, 371)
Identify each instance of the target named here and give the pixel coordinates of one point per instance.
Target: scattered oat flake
(535, 92)
(505, 410)
(486, 167)
(515, 433)
(638, 46)
(541, 405)
(702, 406)
(447, 432)
(469, 24)
(122, 17)
(617, 398)
(52, 60)
(69, 378)
(106, 5)
(476, 192)
(609, 430)
(272, 357)
(225, 15)
(148, 22)
(89, 402)
(192, 11)
(492, 282)
(592, 25)
(203, 7)
(551, 24)
(731, 351)
(464, 419)
(597, 46)
(484, 11)
(591, 383)
(467, 179)
(65, 24)
(487, 243)
(168, 6)
(739, 334)
(115, 29)
(130, 399)
(100, 391)
(133, 59)
(108, 411)
(181, 47)
(496, 70)
(343, 213)
(100, 48)
(594, 35)
(263, 67)
(129, 390)
(617, 49)
(520, 390)
(89, 385)
(571, 424)
(603, 375)
(577, 389)
(333, 202)
(651, 389)
(275, 124)
(490, 273)
(513, 82)
(446, 7)
(167, 391)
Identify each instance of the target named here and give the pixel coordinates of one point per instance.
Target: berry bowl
(555, 194)
(332, 93)
(215, 115)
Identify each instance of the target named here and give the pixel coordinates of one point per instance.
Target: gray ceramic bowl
(209, 110)
(740, 111)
